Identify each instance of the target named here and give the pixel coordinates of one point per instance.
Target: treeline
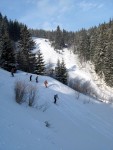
(15, 45)
(94, 44)
(59, 38)
(16, 51)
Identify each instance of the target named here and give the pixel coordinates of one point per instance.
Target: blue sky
(71, 15)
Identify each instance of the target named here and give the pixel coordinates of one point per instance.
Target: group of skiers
(45, 83)
(35, 78)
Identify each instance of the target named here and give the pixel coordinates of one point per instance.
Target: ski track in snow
(94, 121)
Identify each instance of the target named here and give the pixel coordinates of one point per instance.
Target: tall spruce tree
(61, 72)
(39, 65)
(59, 41)
(100, 50)
(14, 30)
(1, 42)
(25, 57)
(64, 74)
(109, 59)
(58, 71)
(93, 41)
(83, 48)
(7, 56)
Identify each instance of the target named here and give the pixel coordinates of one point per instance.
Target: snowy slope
(50, 54)
(84, 72)
(81, 124)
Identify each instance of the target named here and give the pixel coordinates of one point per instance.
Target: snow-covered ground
(82, 71)
(81, 124)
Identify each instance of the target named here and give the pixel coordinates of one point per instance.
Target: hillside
(74, 123)
(84, 72)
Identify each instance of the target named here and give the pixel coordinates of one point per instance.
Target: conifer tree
(65, 37)
(61, 72)
(7, 55)
(26, 59)
(64, 74)
(14, 30)
(83, 48)
(59, 41)
(58, 70)
(7, 51)
(100, 50)
(39, 65)
(93, 41)
(109, 59)
(1, 42)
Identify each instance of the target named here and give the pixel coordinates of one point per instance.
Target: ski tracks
(81, 114)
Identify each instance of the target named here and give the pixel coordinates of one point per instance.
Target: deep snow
(74, 123)
(82, 71)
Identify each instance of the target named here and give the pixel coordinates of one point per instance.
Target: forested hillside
(16, 46)
(94, 44)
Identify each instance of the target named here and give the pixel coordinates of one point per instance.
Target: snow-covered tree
(64, 74)
(26, 59)
(61, 72)
(39, 65)
(7, 55)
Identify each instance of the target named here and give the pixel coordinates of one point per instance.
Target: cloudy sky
(70, 15)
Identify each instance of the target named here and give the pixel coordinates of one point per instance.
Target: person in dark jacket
(30, 77)
(55, 98)
(12, 72)
(37, 79)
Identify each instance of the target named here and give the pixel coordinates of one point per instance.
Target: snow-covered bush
(24, 92)
(75, 84)
(20, 91)
(31, 94)
(82, 86)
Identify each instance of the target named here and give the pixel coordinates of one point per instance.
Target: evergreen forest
(94, 44)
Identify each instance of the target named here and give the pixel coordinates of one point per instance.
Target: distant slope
(83, 72)
(74, 124)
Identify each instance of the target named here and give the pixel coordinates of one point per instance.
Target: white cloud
(85, 6)
(50, 13)
(65, 2)
(46, 10)
(101, 5)
(47, 26)
(28, 17)
(51, 25)
(55, 7)
(31, 1)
